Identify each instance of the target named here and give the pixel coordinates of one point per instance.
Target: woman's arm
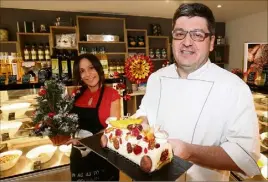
(115, 110)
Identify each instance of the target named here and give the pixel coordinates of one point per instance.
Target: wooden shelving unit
(8, 42)
(99, 42)
(33, 34)
(8, 46)
(220, 55)
(159, 42)
(135, 33)
(93, 25)
(23, 38)
(54, 30)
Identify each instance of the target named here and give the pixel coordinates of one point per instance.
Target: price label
(5, 136)
(37, 165)
(2, 79)
(12, 79)
(11, 116)
(26, 79)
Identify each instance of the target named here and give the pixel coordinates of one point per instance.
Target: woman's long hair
(76, 72)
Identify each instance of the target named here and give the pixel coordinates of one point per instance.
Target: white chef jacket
(212, 107)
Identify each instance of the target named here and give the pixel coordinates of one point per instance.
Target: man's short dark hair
(195, 9)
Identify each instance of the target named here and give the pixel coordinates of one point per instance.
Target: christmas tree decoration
(138, 68)
(53, 118)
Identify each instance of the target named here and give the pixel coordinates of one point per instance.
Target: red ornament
(126, 97)
(37, 126)
(42, 92)
(51, 114)
(138, 68)
(116, 74)
(120, 86)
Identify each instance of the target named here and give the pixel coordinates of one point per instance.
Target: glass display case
(261, 105)
(21, 152)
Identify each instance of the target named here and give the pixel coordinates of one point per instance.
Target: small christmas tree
(52, 118)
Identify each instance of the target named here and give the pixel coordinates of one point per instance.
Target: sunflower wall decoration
(138, 68)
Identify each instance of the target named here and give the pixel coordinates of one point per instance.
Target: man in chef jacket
(207, 111)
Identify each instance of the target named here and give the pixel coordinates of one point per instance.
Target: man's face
(189, 54)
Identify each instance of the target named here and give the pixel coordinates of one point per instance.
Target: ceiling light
(219, 6)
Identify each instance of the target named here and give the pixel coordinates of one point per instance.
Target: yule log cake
(146, 146)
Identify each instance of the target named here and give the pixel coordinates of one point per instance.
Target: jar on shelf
(164, 53)
(151, 53)
(3, 34)
(157, 54)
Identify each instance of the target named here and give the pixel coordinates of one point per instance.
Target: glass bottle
(26, 53)
(33, 53)
(42, 73)
(47, 53)
(41, 52)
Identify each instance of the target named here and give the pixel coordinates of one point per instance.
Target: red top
(109, 96)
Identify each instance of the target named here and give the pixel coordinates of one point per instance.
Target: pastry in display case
(23, 154)
(261, 106)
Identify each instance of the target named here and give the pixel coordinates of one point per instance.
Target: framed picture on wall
(256, 62)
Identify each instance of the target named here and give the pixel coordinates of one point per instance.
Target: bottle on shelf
(26, 53)
(49, 71)
(33, 53)
(104, 62)
(122, 67)
(73, 56)
(13, 63)
(55, 65)
(111, 69)
(64, 66)
(32, 76)
(118, 67)
(3, 67)
(47, 53)
(43, 73)
(20, 68)
(41, 53)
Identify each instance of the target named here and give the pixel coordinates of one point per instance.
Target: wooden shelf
(115, 53)
(136, 30)
(63, 27)
(99, 42)
(8, 42)
(159, 59)
(33, 34)
(158, 37)
(99, 17)
(136, 47)
(66, 48)
(109, 53)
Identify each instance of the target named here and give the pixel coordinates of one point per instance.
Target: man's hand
(73, 141)
(208, 156)
(180, 148)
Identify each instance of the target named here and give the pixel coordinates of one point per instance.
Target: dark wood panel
(9, 18)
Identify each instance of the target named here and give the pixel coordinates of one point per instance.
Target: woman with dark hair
(94, 103)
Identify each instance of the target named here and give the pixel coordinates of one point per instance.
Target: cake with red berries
(146, 146)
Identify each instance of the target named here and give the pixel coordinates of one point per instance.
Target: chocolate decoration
(146, 163)
(170, 172)
(104, 141)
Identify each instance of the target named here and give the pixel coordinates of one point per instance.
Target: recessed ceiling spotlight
(167, 1)
(219, 6)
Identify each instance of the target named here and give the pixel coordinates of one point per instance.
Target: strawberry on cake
(146, 146)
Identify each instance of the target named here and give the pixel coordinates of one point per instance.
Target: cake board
(169, 172)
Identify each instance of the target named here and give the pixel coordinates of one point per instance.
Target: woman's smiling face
(88, 73)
